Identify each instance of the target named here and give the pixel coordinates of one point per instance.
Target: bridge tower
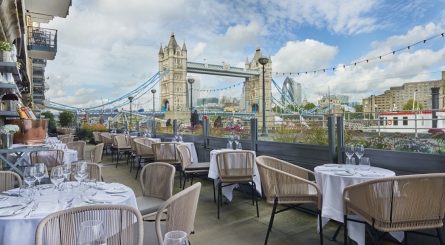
(253, 87)
(173, 86)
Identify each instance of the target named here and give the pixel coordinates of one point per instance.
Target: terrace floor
(238, 223)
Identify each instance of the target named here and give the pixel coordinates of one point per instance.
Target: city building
(291, 92)
(396, 97)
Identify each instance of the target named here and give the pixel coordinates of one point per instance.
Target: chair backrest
(51, 158)
(122, 225)
(235, 163)
(181, 211)
(185, 156)
(9, 180)
(67, 139)
(142, 148)
(120, 141)
(165, 152)
(283, 180)
(106, 138)
(79, 146)
(96, 153)
(94, 171)
(96, 136)
(157, 180)
(399, 201)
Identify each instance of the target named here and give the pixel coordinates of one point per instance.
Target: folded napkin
(44, 208)
(102, 198)
(11, 210)
(370, 174)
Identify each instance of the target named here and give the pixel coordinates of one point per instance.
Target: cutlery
(117, 195)
(34, 207)
(19, 209)
(12, 205)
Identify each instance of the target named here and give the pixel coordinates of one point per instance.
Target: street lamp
(263, 61)
(130, 98)
(153, 130)
(191, 81)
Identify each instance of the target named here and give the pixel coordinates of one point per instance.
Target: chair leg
(256, 199)
(272, 216)
(214, 197)
(185, 179)
(219, 197)
(345, 231)
(405, 241)
(440, 235)
(320, 226)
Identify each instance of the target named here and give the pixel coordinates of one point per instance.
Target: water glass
(66, 171)
(175, 238)
(29, 175)
(57, 176)
(350, 163)
(239, 146)
(365, 163)
(91, 233)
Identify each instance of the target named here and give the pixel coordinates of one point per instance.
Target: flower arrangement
(5, 46)
(9, 129)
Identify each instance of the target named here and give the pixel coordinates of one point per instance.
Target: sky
(108, 47)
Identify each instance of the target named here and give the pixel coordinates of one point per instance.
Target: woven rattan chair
(122, 225)
(120, 146)
(78, 146)
(189, 170)
(157, 186)
(402, 203)
(107, 140)
(51, 158)
(166, 152)
(96, 136)
(235, 167)
(287, 184)
(143, 153)
(9, 180)
(96, 153)
(181, 211)
(67, 139)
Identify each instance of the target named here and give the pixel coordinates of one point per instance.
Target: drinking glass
(230, 143)
(175, 238)
(91, 233)
(81, 171)
(239, 146)
(66, 168)
(29, 175)
(350, 164)
(236, 138)
(359, 151)
(365, 163)
(349, 151)
(57, 176)
(41, 171)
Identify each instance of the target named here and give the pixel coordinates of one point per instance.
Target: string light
(367, 60)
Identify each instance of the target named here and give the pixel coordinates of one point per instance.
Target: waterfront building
(291, 92)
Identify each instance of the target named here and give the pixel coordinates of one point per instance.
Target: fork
(34, 207)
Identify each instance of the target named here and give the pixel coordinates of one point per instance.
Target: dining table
(22, 209)
(227, 191)
(332, 179)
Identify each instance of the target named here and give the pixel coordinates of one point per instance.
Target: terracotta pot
(31, 131)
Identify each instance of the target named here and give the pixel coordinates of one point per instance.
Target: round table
(332, 180)
(20, 228)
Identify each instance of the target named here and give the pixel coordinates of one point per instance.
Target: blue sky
(108, 47)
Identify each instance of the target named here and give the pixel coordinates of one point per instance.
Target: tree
(358, 108)
(51, 121)
(309, 106)
(66, 118)
(409, 105)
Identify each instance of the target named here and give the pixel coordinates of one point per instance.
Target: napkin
(44, 208)
(101, 198)
(370, 174)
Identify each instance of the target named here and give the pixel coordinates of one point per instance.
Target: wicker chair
(287, 184)
(51, 158)
(166, 152)
(107, 140)
(79, 146)
(67, 139)
(120, 145)
(143, 153)
(189, 170)
(235, 167)
(402, 203)
(181, 210)
(96, 153)
(9, 180)
(94, 171)
(157, 186)
(96, 136)
(122, 225)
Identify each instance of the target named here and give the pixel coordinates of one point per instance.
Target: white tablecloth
(17, 229)
(331, 182)
(69, 155)
(192, 149)
(228, 190)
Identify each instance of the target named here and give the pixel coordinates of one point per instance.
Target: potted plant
(7, 131)
(5, 51)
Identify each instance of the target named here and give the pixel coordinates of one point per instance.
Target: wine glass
(175, 238)
(57, 176)
(29, 174)
(66, 168)
(81, 171)
(349, 151)
(180, 138)
(41, 171)
(236, 138)
(359, 151)
(91, 233)
(230, 143)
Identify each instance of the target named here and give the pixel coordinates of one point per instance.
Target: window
(405, 121)
(395, 121)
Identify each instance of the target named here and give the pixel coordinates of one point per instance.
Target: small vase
(7, 140)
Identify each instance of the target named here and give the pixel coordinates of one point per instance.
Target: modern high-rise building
(396, 97)
(291, 92)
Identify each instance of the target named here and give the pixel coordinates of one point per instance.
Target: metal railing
(42, 39)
